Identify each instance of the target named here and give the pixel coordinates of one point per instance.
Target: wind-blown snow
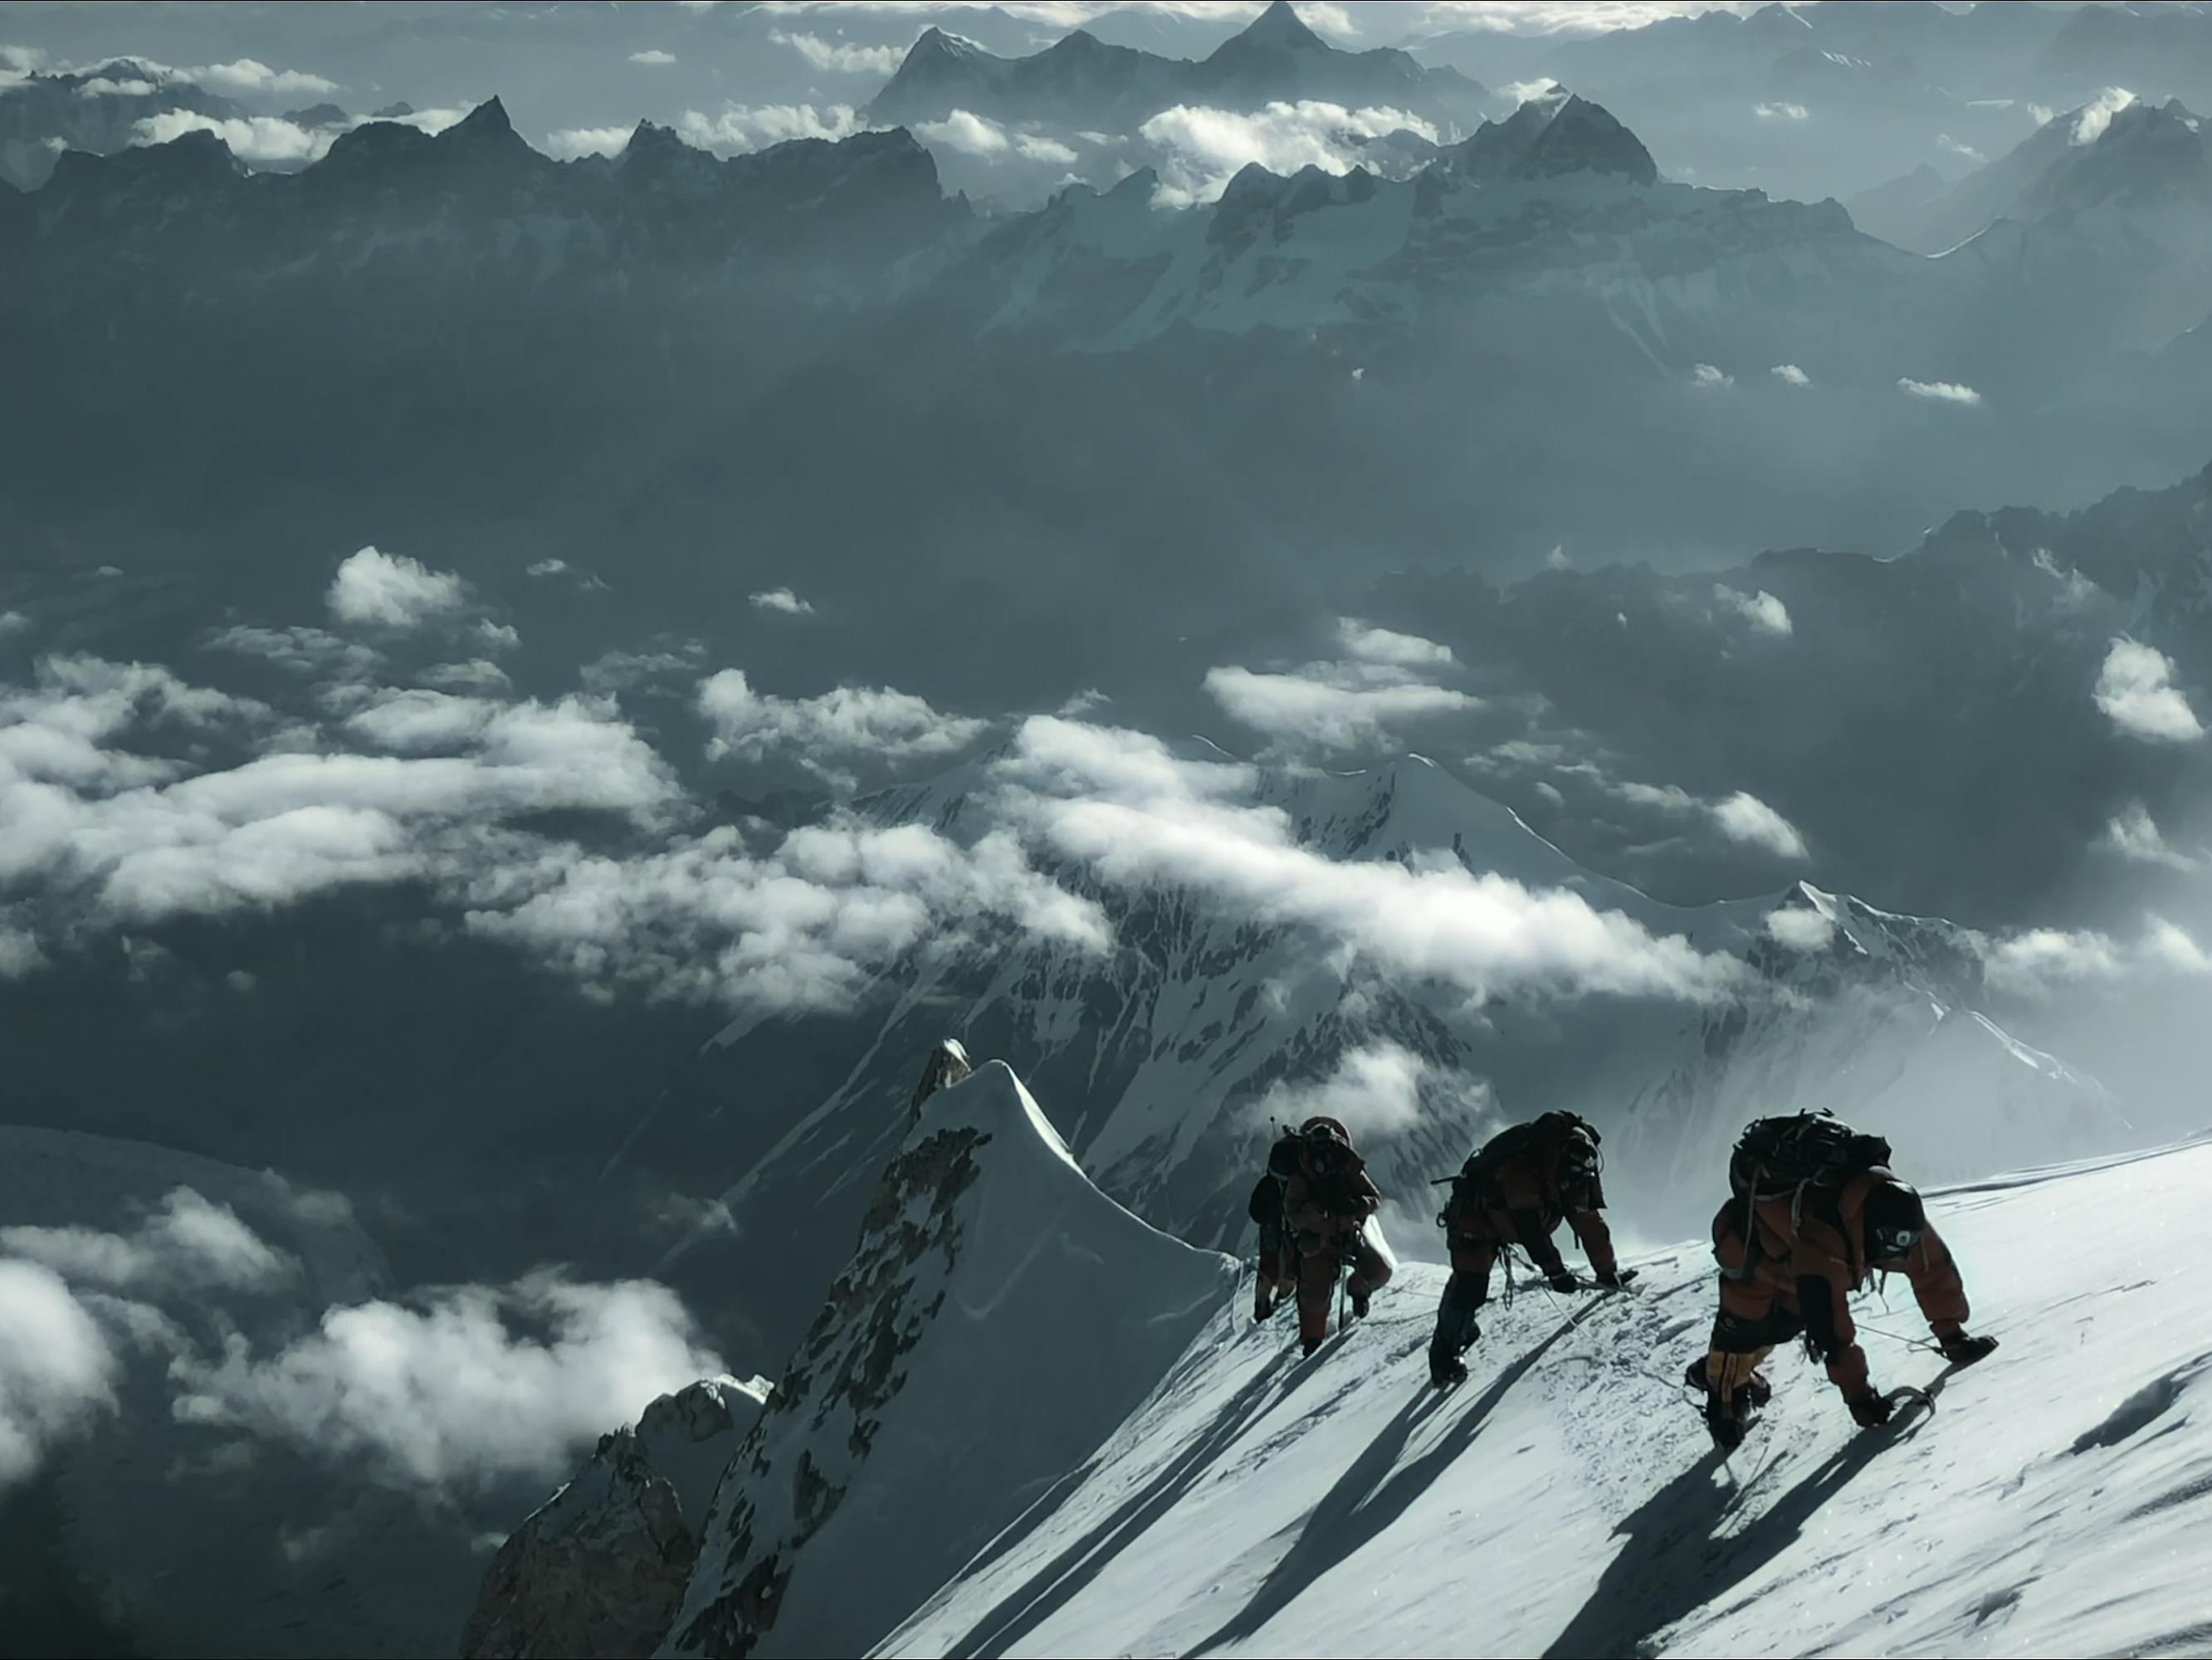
(1565, 1500)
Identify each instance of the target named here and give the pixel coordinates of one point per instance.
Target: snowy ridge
(1163, 1060)
(1558, 203)
(979, 1342)
(1565, 1500)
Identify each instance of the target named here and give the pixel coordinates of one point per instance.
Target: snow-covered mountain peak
(1278, 28)
(1554, 134)
(987, 1263)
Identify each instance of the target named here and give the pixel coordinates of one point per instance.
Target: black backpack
(1514, 1141)
(1282, 1156)
(1265, 1207)
(1778, 1157)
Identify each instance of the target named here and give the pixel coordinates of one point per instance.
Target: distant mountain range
(1081, 81)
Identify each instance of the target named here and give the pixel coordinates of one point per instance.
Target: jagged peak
(487, 123)
(1557, 132)
(934, 46)
(1281, 27)
(194, 155)
(1144, 183)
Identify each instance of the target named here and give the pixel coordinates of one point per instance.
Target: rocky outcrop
(598, 1571)
(600, 1568)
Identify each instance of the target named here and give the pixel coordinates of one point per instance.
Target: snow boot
(1263, 1303)
(1309, 1345)
(1756, 1386)
(1446, 1370)
(1359, 1302)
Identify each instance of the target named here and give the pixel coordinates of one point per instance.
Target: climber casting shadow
(1052, 1586)
(1367, 1498)
(1673, 1562)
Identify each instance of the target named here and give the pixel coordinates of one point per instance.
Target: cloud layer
(458, 1386)
(1132, 813)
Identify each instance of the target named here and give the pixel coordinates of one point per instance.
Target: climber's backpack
(1515, 1142)
(1265, 1207)
(1779, 1157)
(1282, 1156)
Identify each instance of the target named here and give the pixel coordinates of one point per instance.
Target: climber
(1816, 1210)
(947, 1065)
(1277, 1269)
(1515, 1190)
(1327, 1202)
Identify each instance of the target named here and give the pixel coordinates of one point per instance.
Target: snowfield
(1565, 1500)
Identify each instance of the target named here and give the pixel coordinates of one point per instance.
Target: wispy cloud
(837, 56)
(782, 600)
(652, 57)
(1331, 706)
(2134, 834)
(1939, 392)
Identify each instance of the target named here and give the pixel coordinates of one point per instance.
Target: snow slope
(1565, 1500)
(999, 1317)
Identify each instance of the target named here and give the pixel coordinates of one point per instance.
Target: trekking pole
(1899, 1337)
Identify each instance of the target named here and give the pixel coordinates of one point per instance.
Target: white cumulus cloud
(2097, 114)
(1374, 645)
(1134, 814)
(1373, 1091)
(187, 1243)
(1790, 375)
(652, 57)
(1761, 609)
(57, 1369)
(852, 720)
(2134, 688)
(1706, 376)
(566, 145)
(458, 1386)
(782, 600)
(1203, 147)
(737, 128)
(1744, 817)
(391, 590)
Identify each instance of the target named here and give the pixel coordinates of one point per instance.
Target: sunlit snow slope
(999, 1317)
(1565, 1500)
